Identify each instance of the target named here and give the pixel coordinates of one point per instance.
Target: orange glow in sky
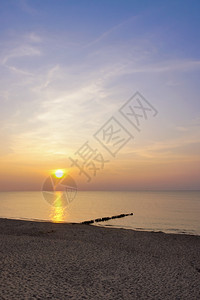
(62, 80)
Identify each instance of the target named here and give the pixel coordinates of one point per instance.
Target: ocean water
(170, 212)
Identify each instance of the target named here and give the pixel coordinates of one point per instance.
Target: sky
(67, 67)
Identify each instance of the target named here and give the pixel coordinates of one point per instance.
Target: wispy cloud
(33, 37)
(19, 71)
(21, 51)
(58, 98)
(26, 7)
(110, 31)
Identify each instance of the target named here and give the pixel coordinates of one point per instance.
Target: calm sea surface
(175, 212)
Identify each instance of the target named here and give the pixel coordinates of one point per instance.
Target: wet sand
(75, 261)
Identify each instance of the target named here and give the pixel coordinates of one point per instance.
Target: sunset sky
(66, 68)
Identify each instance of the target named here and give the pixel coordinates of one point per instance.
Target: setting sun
(59, 173)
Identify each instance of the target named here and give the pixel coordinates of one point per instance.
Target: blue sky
(67, 66)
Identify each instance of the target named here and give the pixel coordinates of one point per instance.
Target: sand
(75, 261)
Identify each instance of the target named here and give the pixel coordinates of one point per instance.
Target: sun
(59, 173)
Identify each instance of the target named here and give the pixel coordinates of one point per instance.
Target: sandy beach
(75, 261)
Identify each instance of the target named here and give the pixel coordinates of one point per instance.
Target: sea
(166, 211)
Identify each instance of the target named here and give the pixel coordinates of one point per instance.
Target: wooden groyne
(106, 219)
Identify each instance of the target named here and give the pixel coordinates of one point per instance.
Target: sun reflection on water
(58, 211)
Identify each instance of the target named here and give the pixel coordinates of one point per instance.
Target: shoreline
(100, 225)
(44, 260)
